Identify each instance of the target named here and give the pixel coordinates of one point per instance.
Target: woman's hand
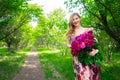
(93, 52)
(69, 45)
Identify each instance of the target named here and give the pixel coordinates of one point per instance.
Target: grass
(111, 71)
(58, 67)
(11, 63)
(55, 65)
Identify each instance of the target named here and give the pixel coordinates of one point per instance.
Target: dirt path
(31, 69)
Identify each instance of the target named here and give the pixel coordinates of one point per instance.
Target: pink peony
(80, 38)
(82, 41)
(74, 44)
(82, 45)
(89, 43)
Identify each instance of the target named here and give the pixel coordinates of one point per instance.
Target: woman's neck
(78, 28)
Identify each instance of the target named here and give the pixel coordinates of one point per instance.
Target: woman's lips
(75, 23)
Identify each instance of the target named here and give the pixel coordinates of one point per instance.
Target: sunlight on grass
(50, 51)
(54, 63)
(11, 63)
(56, 66)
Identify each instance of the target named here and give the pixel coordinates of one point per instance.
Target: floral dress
(82, 71)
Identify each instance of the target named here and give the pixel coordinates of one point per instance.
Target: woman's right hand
(69, 45)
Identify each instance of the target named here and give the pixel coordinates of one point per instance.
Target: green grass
(58, 67)
(11, 63)
(111, 71)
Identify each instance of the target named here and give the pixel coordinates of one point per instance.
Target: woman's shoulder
(88, 29)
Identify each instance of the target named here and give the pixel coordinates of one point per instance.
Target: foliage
(11, 15)
(102, 14)
(107, 44)
(14, 16)
(59, 67)
(55, 25)
(85, 58)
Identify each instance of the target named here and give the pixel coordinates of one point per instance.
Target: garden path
(31, 69)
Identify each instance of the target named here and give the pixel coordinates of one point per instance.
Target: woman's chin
(76, 25)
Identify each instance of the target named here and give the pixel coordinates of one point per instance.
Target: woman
(81, 71)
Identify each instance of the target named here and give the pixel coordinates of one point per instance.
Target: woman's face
(76, 21)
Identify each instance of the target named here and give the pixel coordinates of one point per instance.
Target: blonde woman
(81, 71)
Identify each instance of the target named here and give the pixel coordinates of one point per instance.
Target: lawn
(11, 63)
(59, 67)
(111, 71)
(56, 66)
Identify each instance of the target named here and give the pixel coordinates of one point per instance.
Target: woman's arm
(68, 43)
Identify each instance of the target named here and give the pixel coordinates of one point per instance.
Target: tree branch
(109, 12)
(91, 11)
(18, 26)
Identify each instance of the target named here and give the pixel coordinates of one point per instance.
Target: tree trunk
(103, 19)
(9, 46)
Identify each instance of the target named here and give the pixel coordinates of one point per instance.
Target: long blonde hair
(71, 27)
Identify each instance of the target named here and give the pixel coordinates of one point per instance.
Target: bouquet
(83, 45)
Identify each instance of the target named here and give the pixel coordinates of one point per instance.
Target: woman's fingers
(93, 52)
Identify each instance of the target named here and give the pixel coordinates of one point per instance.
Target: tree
(14, 16)
(104, 12)
(9, 11)
(52, 29)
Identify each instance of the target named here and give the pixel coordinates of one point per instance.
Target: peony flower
(89, 43)
(82, 45)
(80, 38)
(90, 32)
(89, 35)
(74, 44)
(82, 41)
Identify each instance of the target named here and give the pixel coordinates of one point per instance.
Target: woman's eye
(75, 19)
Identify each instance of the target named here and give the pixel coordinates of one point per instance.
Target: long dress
(82, 71)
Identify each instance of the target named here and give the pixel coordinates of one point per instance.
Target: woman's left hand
(93, 52)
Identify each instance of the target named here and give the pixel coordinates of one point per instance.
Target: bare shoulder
(87, 29)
